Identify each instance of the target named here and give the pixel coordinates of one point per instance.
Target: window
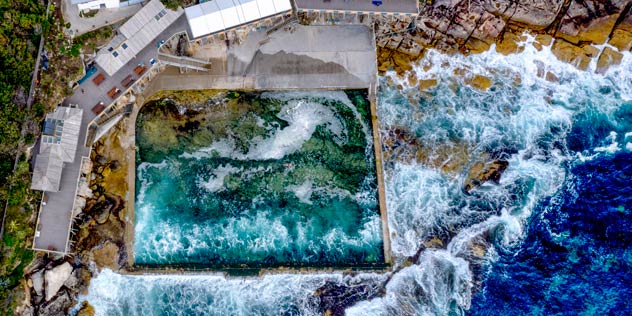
(124, 45)
(115, 54)
(160, 15)
(110, 49)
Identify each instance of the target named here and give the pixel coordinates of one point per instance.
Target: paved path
(307, 57)
(387, 6)
(55, 218)
(79, 25)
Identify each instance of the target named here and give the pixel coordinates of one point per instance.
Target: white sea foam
(438, 284)
(220, 148)
(303, 118)
(215, 182)
(141, 174)
(259, 235)
(613, 147)
(113, 294)
(303, 192)
(339, 96)
(420, 199)
(303, 112)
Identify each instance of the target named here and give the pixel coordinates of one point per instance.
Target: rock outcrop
(57, 307)
(608, 57)
(482, 172)
(55, 279)
(473, 26)
(107, 256)
(86, 310)
(333, 298)
(37, 279)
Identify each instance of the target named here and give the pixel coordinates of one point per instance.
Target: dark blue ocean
(550, 235)
(577, 257)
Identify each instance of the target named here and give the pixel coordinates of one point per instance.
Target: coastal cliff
(461, 27)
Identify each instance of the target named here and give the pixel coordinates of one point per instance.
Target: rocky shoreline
(469, 27)
(572, 28)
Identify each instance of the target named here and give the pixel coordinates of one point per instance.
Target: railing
(183, 61)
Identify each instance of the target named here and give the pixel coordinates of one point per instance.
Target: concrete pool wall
(327, 71)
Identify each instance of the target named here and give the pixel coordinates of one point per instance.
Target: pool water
(258, 180)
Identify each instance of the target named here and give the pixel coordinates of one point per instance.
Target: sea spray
(546, 130)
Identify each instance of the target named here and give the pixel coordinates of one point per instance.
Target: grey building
(58, 145)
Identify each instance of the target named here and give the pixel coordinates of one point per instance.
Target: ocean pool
(257, 180)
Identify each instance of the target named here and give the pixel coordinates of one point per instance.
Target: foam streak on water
(540, 127)
(270, 197)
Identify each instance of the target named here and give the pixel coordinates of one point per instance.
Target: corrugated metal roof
(219, 15)
(47, 169)
(57, 147)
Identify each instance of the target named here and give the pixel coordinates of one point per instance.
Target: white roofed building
(83, 5)
(221, 15)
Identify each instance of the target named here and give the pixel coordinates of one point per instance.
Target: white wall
(96, 4)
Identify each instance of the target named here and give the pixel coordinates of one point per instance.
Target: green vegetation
(22, 25)
(91, 40)
(175, 4)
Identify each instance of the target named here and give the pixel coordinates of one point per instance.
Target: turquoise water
(551, 237)
(288, 181)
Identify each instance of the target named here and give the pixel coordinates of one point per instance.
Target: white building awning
(220, 15)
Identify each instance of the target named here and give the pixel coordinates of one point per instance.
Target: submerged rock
(55, 279)
(483, 172)
(334, 298)
(86, 310)
(479, 82)
(427, 84)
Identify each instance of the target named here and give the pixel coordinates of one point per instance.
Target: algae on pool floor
(258, 179)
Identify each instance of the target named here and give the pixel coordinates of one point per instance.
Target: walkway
(55, 218)
(352, 6)
(305, 57)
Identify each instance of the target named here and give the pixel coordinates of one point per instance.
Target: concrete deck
(387, 6)
(303, 57)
